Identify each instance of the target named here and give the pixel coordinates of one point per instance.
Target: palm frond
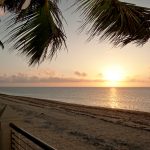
(38, 33)
(2, 45)
(117, 21)
(17, 5)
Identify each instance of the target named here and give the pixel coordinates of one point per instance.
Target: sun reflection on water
(113, 102)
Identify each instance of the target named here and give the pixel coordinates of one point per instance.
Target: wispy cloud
(80, 74)
(138, 79)
(53, 78)
(100, 75)
(43, 72)
(24, 78)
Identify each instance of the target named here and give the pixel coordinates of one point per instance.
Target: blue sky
(83, 64)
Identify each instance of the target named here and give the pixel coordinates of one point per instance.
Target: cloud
(100, 75)
(43, 72)
(138, 79)
(24, 78)
(51, 77)
(80, 74)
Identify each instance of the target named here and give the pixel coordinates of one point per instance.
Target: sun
(113, 74)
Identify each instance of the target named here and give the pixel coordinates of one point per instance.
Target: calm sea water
(122, 98)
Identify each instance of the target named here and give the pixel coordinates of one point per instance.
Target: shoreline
(55, 102)
(108, 97)
(79, 126)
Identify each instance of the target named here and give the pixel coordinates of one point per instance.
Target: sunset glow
(75, 74)
(113, 74)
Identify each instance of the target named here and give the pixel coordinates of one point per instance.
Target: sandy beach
(75, 127)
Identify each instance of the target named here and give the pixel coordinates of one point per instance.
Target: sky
(83, 64)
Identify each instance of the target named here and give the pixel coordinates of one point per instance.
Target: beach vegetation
(35, 27)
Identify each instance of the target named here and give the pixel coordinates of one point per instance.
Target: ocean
(122, 98)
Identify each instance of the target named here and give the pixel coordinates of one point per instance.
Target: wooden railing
(22, 140)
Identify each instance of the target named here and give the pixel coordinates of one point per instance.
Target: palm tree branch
(39, 33)
(117, 21)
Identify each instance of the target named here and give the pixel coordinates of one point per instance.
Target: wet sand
(78, 127)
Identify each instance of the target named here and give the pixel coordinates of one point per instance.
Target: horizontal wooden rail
(29, 137)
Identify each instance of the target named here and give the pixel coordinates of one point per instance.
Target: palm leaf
(2, 45)
(39, 32)
(117, 21)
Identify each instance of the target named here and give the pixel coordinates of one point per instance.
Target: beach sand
(75, 127)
